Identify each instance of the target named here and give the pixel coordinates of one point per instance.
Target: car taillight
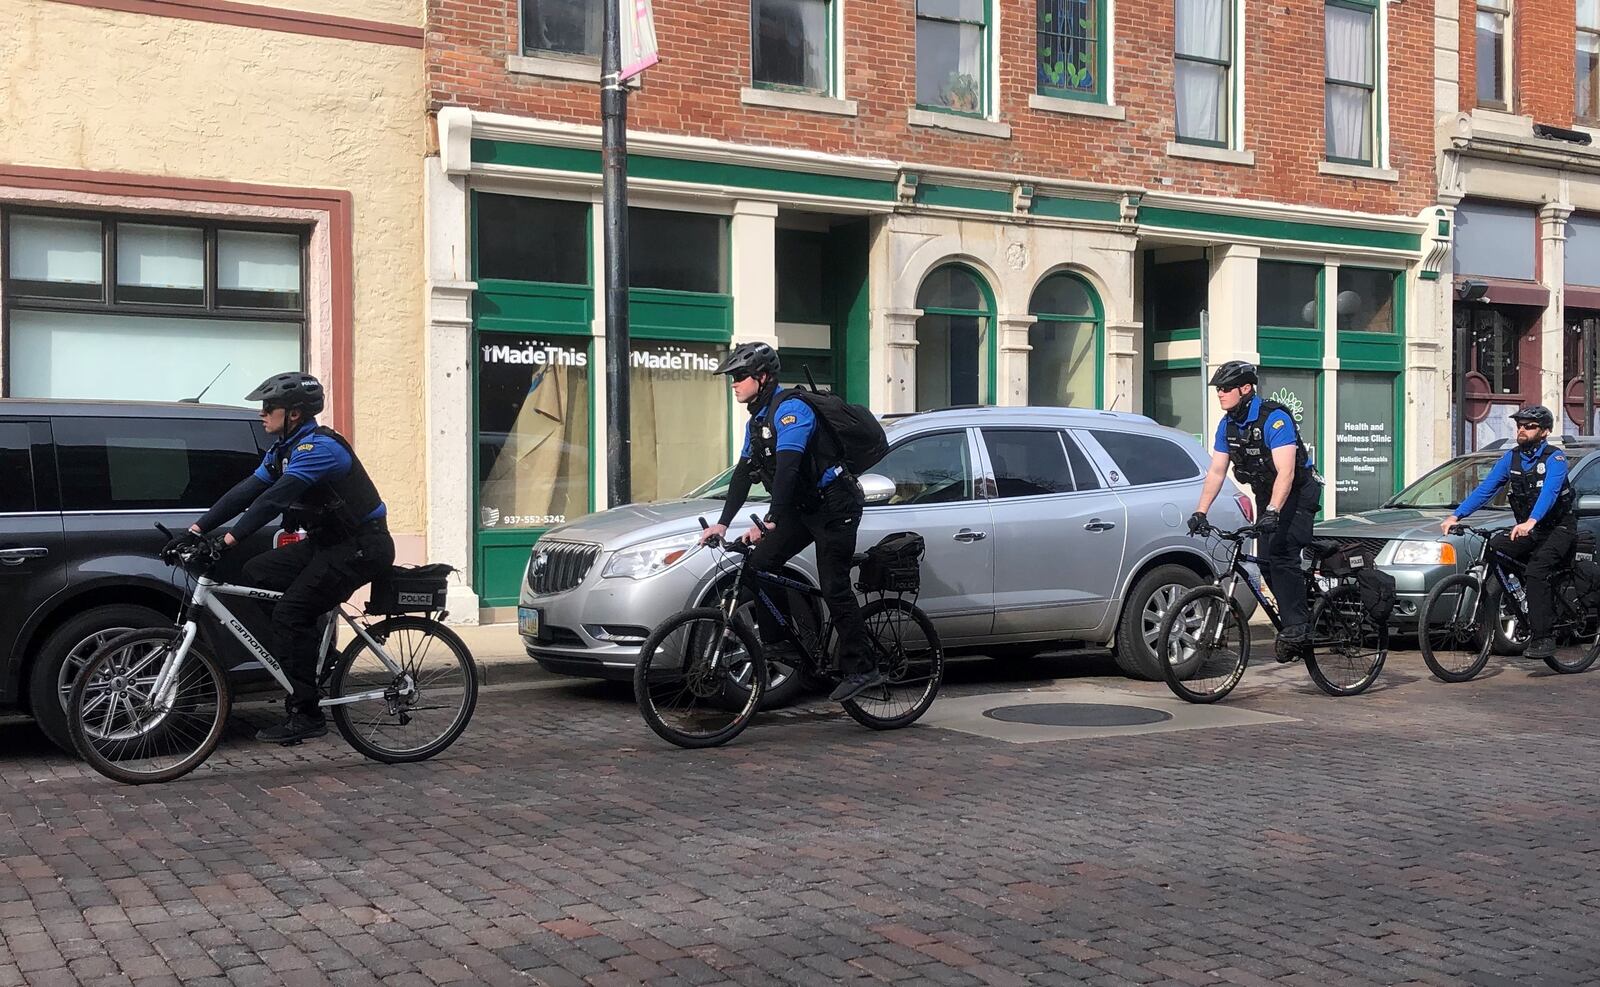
(287, 537)
(1246, 508)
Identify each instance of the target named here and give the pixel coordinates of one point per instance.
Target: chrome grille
(557, 566)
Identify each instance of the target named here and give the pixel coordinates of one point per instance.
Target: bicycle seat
(1321, 548)
(858, 559)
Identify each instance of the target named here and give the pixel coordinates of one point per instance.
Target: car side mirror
(1589, 505)
(879, 489)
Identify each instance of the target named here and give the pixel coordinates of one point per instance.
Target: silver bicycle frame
(206, 594)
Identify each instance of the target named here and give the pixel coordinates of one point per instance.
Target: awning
(1576, 297)
(1505, 291)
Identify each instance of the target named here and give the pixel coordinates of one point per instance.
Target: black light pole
(1461, 363)
(1587, 327)
(614, 206)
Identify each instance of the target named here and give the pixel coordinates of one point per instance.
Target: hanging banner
(638, 37)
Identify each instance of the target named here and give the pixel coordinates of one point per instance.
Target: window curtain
(1350, 57)
(1201, 31)
(542, 470)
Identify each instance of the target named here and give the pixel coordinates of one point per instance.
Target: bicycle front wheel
(903, 642)
(1347, 647)
(700, 678)
(414, 705)
(1453, 628)
(128, 728)
(1203, 645)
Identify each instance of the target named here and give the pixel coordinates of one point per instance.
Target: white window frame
(1379, 99)
(1236, 49)
(1507, 52)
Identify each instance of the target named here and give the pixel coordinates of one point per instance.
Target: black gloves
(182, 539)
(1199, 524)
(1268, 523)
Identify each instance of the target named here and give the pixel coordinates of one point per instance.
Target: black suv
(82, 485)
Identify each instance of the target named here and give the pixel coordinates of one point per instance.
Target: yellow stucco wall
(407, 12)
(103, 90)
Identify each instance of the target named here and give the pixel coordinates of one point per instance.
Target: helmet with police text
(291, 390)
(1234, 373)
(749, 360)
(1535, 414)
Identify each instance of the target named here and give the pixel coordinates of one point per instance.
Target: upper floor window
(1203, 70)
(790, 44)
(1588, 61)
(1072, 49)
(1351, 96)
(562, 27)
(1493, 53)
(952, 67)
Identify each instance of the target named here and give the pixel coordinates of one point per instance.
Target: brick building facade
(928, 203)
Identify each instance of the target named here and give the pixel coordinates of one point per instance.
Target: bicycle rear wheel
(123, 729)
(1203, 645)
(700, 678)
(1347, 648)
(1577, 631)
(1453, 630)
(393, 720)
(902, 640)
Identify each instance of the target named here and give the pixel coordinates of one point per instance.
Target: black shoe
(299, 726)
(1541, 648)
(1291, 649)
(855, 685)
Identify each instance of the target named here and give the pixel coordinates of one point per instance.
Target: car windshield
(716, 488)
(1449, 485)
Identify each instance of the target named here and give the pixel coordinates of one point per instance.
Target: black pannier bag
(894, 565)
(410, 589)
(1354, 562)
(1584, 564)
(1377, 594)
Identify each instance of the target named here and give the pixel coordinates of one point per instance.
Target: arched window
(953, 338)
(1064, 365)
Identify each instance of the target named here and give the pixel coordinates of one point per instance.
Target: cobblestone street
(1423, 833)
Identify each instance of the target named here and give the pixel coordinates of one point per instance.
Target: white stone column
(447, 379)
(1327, 437)
(900, 360)
(599, 437)
(1552, 324)
(1232, 314)
(1121, 385)
(754, 247)
(1011, 374)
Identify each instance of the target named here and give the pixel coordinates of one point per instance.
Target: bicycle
(702, 673)
(151, 704)
(1204, 640)
(1456, 629)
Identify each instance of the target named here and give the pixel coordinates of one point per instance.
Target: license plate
(528, 621)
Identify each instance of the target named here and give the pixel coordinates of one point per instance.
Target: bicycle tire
(1577, 633)
(668, 691)
(1355, 647)
(913, 665)
(1184, 660)
(1456, 646)
(175, 740)
(361, 723)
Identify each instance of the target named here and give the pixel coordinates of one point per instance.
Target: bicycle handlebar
(1238, 534)
(1467, 529)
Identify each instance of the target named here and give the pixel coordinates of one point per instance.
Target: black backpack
(855, 432)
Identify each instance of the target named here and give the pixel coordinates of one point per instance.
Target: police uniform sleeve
(1221, 443)
(1280, 430)
(1488, 488)
(796, 422)
(234, 501)
(316, 459)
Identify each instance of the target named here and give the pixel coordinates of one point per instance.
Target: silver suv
(1043, 525)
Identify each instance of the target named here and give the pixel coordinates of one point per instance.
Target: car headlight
(1424, 553)
(651, 557)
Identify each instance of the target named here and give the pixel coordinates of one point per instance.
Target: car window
(1083, 475)
(1587, 481)
(151, 463)
(1147, 458)
(16, 465)
(1028, 461)
(1448, 486)
(929, 469)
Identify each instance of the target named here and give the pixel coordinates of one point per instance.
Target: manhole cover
(1078, 715)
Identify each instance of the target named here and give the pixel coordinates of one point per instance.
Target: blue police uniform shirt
(313, 458)
(796, 423)
(1278, 430)
(1555, 476)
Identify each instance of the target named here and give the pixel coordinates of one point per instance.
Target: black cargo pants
(1282, 551)
(1544, 551)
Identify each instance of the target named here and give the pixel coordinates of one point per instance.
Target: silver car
(1043, 526)
(1406, 542)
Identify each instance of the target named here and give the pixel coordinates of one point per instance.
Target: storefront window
(1062, 364)
(1176, 398)
(1366, 300)
(678, 251)
(525, 239)
(1286, 295)
(679, 415)
(1581, 325)
(1365, 442)
(951, 337)
(533, 430)
(1494, 337)
(1177, 293)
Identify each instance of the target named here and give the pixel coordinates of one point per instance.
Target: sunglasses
(738, 376)
(1224, 390)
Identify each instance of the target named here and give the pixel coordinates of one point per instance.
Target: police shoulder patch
(1560, 457)
(787, 420)
(304, 447)
(1278, 424)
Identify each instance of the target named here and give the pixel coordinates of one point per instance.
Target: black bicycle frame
(1236, 570)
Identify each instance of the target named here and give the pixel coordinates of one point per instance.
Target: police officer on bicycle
(312, 477)
(1261, 441)
(815, 500)
(1541, 499)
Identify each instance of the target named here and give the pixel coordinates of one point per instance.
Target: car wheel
(785, 684)
(1146, 604)
(1510, 635)
(64, 653)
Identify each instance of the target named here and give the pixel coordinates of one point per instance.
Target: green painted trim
(1173, 335)
(853, 322)
(1428, 276)
(1299, 349)
(585, 161)
(1274, 229)
(958, 197)
(1063, 207)
(687, 316)
(528, 306)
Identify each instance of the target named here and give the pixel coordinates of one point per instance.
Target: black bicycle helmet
(1536, 414)
(291, 390)
(1234, 373)
(750, 359)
